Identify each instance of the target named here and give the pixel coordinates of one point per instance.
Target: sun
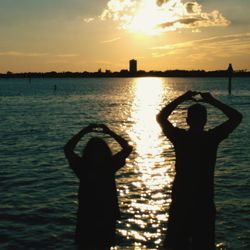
(149, 17)
(145, 19)
(153, 17)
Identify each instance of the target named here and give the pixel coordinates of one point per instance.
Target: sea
(38, 190)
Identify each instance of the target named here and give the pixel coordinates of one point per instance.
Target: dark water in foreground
(38, 195)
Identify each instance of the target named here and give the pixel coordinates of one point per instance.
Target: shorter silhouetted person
(191, 223)
(98, 207)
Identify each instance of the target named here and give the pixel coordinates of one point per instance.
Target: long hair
(96, 151)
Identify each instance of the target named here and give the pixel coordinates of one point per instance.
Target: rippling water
(39, 192)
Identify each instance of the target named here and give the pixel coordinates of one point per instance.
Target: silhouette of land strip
(126, 73)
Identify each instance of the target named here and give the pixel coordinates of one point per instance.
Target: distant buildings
(133, 66)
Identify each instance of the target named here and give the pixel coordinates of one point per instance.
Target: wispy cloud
(89, 20)
(22, 54)
(219, 46)
(34, 54)
(66, 55)
(111, 40)
(156, 16)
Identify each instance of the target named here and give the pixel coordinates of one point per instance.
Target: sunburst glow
(156, 16)
(149, 17)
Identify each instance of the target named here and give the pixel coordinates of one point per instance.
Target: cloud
(157, 16)
(111, 40)
(66, 55)
(195, 21)
(24, 54)
(89, 20)
(34, 54)
(219, 46)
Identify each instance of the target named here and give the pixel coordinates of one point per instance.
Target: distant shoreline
(127, 74)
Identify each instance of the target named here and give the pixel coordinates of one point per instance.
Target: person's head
(197, 116)
(97, 151)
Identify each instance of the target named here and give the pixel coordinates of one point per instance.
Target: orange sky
(88, 35)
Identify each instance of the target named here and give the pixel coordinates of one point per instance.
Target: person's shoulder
(213, 131)
(207, 132)
(179, 134)
(80, 158)
(182, 131)
(216, 135)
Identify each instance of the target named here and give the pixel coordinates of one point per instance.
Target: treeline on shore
(126, 73)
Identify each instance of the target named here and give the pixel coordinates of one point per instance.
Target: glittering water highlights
(148, 210)
(39, 191)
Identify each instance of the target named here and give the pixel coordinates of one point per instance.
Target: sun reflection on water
(145, 132)
(148, 210)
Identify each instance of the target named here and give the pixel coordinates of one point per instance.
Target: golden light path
(152, 171)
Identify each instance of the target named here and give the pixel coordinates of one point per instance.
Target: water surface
(39, 191)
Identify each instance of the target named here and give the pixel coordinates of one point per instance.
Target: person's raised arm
(120, 157)
(234, 116)
(73, 158)
(71, 144)
(162, 117)
(120, 140)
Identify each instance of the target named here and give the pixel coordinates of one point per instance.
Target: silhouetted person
(191, 223)
(97, 197)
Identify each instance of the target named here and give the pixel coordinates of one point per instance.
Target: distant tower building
(133, 66)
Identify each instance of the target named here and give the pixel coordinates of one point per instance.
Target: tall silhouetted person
(97, 196)
(191, 224)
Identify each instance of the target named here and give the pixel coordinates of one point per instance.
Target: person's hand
(206, 97)
(89, 128)
(105, 128)
(189, 95)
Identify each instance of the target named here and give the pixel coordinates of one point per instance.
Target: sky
(81, 35)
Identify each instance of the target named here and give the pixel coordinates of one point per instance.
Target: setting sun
(155, 17)
(146, 19)
(149, 17)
